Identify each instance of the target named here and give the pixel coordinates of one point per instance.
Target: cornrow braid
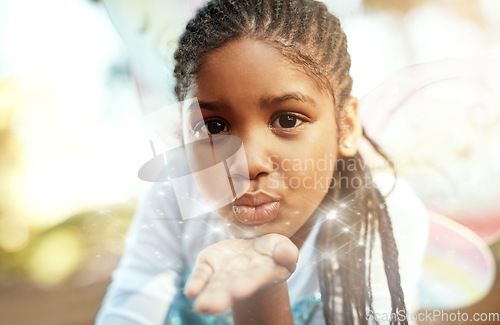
(303, 30)
(339, 243)
(312, 38)
(390, 257)
(349, 238)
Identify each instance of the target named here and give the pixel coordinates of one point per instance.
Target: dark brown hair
(308, 35)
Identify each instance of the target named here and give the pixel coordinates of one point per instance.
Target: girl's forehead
(243, 52)
(252, 67)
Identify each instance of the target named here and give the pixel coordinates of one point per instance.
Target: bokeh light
(71, 122)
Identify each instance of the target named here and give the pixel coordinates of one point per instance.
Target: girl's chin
(253, 231)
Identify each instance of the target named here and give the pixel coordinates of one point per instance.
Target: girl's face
(286, 122)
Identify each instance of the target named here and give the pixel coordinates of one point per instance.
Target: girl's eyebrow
(295, 96)
(264, 101)
(196, 105)
(212, 106)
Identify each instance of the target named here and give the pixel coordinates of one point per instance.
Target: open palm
(237, 268)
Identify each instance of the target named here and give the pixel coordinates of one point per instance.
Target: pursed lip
(256, 208)
(255, 199)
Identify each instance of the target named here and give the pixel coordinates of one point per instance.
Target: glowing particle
(325, 255)
(332, 215)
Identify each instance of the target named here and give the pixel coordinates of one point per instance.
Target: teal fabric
(182, 313)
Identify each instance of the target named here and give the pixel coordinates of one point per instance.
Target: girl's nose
(258, 154)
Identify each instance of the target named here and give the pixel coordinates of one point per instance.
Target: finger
(215, 297)
(198, 279)
(280, 248)
(286, 254)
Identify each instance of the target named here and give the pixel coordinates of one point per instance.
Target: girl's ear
(350, 129)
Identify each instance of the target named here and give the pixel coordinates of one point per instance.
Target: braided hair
(308, 35)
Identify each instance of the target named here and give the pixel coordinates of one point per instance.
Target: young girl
(308, 243)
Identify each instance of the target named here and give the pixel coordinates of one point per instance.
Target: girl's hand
(235, 269)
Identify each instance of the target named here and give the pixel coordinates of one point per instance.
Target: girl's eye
(287, 121)
(215, 127)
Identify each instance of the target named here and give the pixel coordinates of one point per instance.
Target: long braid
(361, 207)
(309, 36)
(347, 238)
(391, 264)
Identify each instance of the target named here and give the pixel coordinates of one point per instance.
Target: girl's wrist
(270, 305)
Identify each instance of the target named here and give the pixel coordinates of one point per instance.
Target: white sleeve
(148, 277)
